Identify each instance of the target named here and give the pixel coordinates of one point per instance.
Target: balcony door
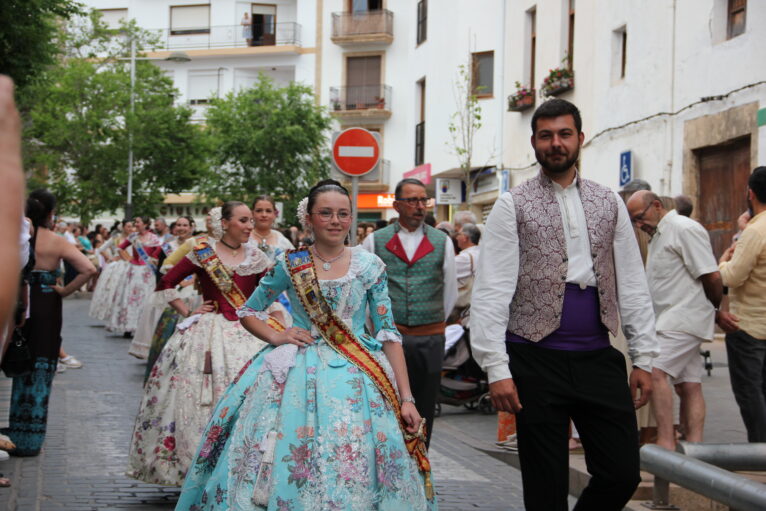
(364, 6)
(363, 82)
(264, 17)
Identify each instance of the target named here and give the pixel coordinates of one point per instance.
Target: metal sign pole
(354, 196)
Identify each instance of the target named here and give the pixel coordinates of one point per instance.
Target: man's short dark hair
(757, 183)
(406, 181)
(556, 108)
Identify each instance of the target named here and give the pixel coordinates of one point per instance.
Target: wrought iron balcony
(368, 27)
(229, 36)
(361, 101)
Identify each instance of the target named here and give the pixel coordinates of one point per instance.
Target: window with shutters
(570, 34)
(203, 85)
(113, 17)
(190, 19)
(483, 73)
(422, 21)
(363, 82)
(736, 18)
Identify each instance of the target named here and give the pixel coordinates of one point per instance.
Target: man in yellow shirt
(743, 270)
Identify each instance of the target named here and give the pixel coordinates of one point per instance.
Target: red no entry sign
(356, 152)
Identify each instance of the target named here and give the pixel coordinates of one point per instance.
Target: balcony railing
(362, 25)
(360, 97)
(230, 36)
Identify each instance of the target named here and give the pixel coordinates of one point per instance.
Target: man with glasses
(559, 270)
(686, 292)
(420, 262)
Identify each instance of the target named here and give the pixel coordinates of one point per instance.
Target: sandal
(4, 482)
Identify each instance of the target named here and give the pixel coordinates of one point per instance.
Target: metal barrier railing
(733, 490)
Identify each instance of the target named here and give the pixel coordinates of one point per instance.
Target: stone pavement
(91, 418)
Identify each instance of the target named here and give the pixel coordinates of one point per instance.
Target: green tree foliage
(267, 139)
(29, 38)
(80, 125)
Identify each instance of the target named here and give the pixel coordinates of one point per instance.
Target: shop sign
(449, 191)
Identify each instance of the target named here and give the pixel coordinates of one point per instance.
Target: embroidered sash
(220, 276)
(341, 339)
(141, 251)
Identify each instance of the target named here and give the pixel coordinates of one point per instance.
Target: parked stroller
(463, 382)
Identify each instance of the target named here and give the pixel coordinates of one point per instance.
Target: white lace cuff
(245, 311)
(388, 336)
(188, 322)
(168, 295)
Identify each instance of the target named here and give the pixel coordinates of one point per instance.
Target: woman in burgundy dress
(205, 353)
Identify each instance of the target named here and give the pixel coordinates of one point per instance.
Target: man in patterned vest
(559, 269)
(420, 262)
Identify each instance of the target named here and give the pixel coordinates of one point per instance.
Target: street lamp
(176, 56)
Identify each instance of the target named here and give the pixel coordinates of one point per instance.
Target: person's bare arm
(80, 262)
(713, 286)
(395, 355)
(11, 199)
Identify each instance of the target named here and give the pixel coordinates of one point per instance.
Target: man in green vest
(420, 262)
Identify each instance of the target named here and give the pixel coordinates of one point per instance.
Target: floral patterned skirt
(109, 282)
(150, 316)
(134, 290)
(179, 399)
(334, 443)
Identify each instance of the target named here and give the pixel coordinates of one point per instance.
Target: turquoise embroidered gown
(337, 444)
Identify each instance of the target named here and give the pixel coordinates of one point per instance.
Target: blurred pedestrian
(686, 292)
(465, 264)
(544, 302)
(684, 205)
(743, 270)
(28, 414)
(463, 217)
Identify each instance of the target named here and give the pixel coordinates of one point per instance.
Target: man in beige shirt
(743, 270)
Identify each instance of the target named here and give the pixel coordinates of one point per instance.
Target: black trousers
(747, 371)
(424, 355)
(591, 388)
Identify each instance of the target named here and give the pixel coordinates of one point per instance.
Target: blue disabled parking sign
(626, 168)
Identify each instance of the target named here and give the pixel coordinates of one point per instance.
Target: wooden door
(724, 171)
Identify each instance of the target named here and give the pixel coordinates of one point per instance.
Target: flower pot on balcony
(557, 87)
(518, 104)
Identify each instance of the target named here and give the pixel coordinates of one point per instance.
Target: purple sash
(580, 329)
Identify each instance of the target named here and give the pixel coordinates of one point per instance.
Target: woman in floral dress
(205, 353)
(138, 283)
(302, 427)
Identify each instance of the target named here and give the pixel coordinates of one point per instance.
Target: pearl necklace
(327, 263)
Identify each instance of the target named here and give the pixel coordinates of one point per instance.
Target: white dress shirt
(498, 272)
(679, 254)
(410, 242)
(466, 262)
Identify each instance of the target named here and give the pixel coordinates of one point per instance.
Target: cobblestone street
(91, 416)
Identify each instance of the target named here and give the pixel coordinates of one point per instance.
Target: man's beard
(557, 168)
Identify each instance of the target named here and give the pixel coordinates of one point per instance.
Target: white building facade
(680, 85)
(676, 85)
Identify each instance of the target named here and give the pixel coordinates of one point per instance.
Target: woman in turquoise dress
(303, 427)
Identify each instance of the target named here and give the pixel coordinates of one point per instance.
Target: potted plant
(380, 102)
(336, 104)
(523, 98)
(560, 79)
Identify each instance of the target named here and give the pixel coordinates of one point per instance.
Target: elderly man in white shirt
(559, 269)
(686, 289)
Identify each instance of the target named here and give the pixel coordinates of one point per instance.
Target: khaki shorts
(680, 356)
